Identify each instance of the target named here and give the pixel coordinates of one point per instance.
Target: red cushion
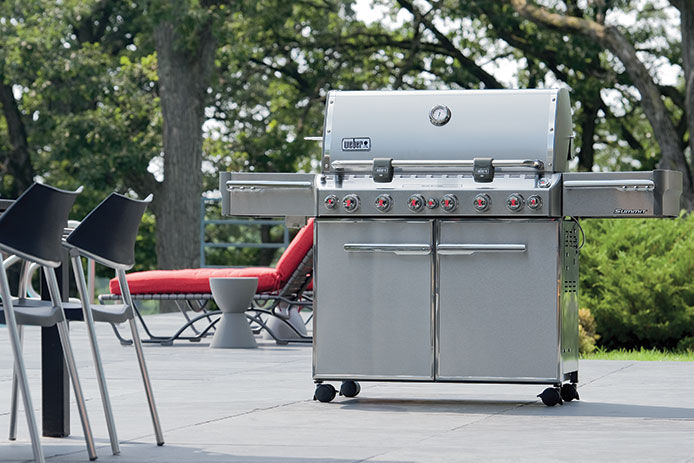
(295, 252)
(194, 280)
(198, 280)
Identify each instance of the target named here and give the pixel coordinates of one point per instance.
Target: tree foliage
(85, 92)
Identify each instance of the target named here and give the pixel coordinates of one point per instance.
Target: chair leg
(13, 404)
(19, 366)
(83, 291)
(125, 291)
(64, 335)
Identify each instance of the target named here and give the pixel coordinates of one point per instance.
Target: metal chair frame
(292, 294)
(76, 254)
(9, 306)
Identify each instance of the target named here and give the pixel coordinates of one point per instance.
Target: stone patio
(255, 406)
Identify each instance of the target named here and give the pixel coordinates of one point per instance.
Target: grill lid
(449, 126)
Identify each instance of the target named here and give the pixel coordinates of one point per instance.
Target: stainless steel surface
(125, 291)
(270, 194)
(14, 401)
(622, 194)
(69, 356)
(625, 184)
(498, 311)
(436, 187)
(399, 249)
(568, 298)
(374, 320)
(83, 292)
(469, 249)
(442, 252)
(240, 184)
(500, 124)
(433, 164)
(20, 368)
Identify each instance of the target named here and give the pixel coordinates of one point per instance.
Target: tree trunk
(672, 154)
(687, 25)
(586, 157)
(183, 81)
(18, 165)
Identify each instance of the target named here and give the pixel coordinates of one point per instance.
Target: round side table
(233, 296)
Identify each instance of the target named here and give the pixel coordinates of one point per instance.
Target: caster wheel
(550, 397)
(569, 392)
(350, 389)
(324, 393)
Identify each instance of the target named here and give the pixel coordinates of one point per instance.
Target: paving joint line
(606, 375)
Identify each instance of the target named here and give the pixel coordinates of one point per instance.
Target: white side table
(233, 296)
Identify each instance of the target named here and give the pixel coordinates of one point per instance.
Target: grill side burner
(444, 251)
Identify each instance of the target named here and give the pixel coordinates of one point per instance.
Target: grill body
(444, 250)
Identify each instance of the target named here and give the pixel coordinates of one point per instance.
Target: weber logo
(356, 144)
(630, 211)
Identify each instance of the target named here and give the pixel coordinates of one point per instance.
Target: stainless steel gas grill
(444, 244)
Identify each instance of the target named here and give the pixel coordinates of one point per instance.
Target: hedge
(637, 279)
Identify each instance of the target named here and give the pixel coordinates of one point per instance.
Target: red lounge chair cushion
(198, 280)
(194, 280)
(295, 252)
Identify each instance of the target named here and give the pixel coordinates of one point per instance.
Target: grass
(643, 355)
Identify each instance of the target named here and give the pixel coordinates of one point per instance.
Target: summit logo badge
(629, 211)
(356, 144)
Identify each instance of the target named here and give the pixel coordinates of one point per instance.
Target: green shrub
(587, 332)
(637, 279)
(686, 344)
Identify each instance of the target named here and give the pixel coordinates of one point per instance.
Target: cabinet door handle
(469, 249)
(399, 249)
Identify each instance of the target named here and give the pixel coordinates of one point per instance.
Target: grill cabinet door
(373, 314)
(498, 313)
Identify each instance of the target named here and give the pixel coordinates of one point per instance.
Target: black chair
(31, 228)
(107, 235)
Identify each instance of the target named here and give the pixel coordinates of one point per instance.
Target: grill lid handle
(382, 170)
(483, 170)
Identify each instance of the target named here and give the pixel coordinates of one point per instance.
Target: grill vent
(570, 286)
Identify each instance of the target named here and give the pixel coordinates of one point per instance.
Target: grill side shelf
(622, 194)
(268, 194)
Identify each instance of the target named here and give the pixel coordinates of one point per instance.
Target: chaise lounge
(282, 291)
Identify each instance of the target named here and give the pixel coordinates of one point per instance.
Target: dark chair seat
(111, 313)
(34, 312)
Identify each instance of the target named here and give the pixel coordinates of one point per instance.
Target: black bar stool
(31, 228)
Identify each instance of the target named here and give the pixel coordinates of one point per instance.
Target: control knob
(481, 202)
(449, 203)
(350, 203)
(514, 202)
(383, 203)
(432, 203)
(534, 202)
(330, 201)
(415, 203)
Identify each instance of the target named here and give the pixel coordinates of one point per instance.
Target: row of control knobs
(448, 202)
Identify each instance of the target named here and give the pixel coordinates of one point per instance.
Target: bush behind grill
(637, 279)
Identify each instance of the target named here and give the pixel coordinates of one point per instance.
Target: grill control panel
(414, 197)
